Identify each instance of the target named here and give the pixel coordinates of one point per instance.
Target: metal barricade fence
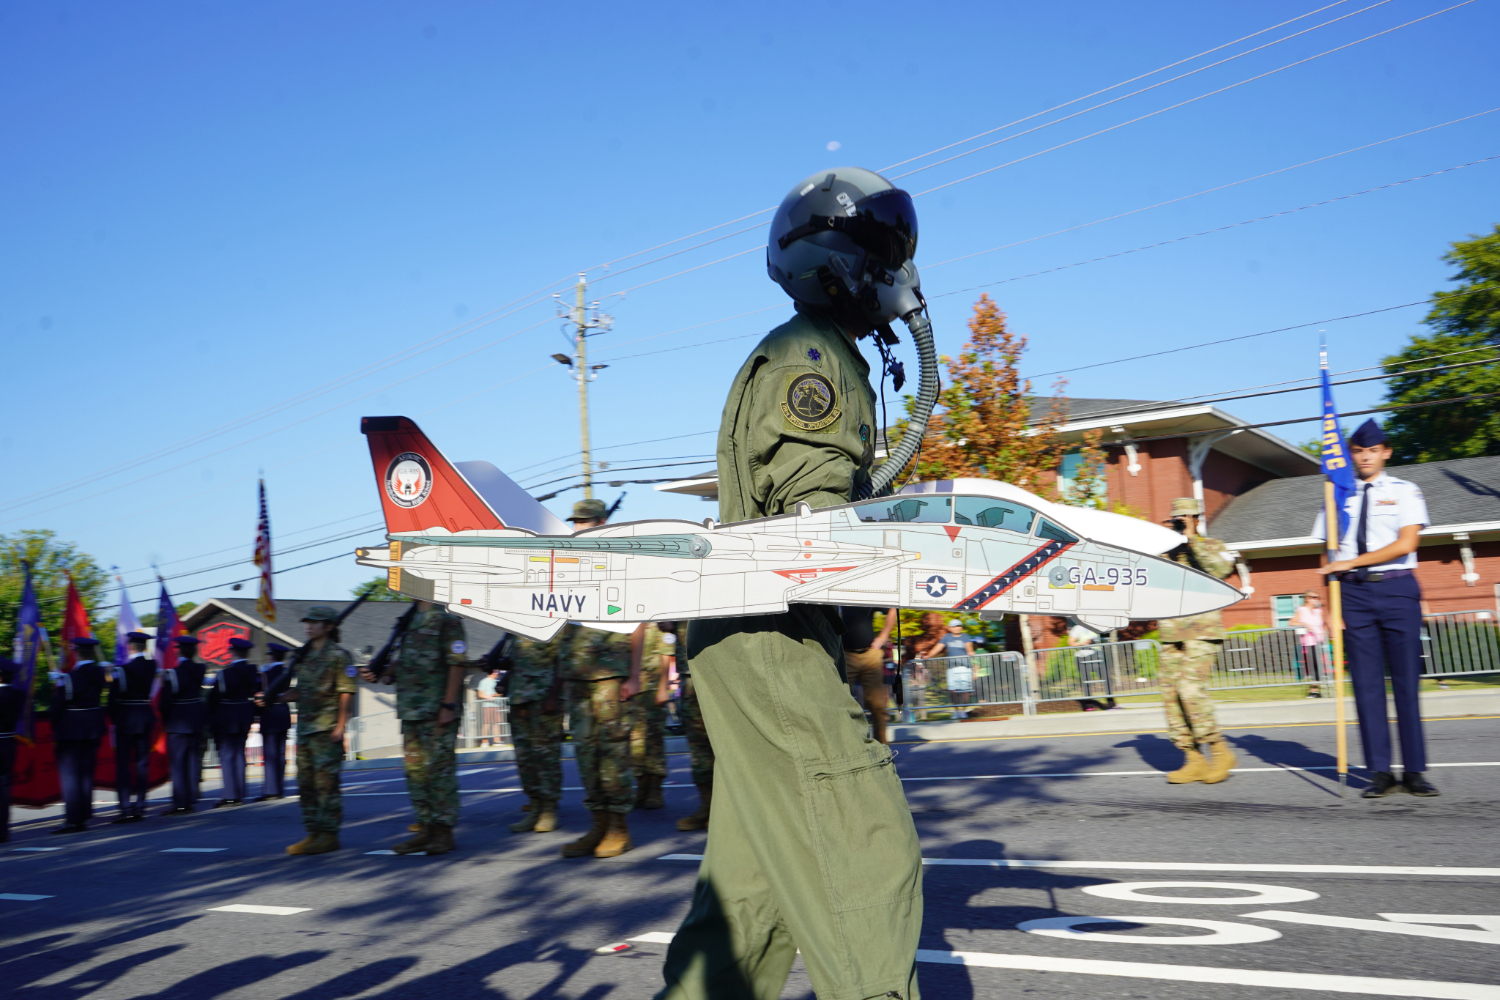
(957, 682)
(1097, 671)
(370, 732)
(484, 719)
(1460, 643)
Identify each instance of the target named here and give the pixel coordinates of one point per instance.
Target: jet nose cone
(1202, 593)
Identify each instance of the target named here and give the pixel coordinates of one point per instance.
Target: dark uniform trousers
(1383, 631)
(75, 772)
(78, 724)
(275, 722)
(7, 767)
(132, 769)
(135, 725)
(230, 720)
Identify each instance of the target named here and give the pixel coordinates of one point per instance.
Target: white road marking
(418, 854)
(1424, 988)
(193, 850)
(272, 911)
(1489, 923)
(1431, 989)
(37, 848)
(1223, 931)
(474, 770)
(1264, 894)
(21, 897)
(1387, 926)
(1122, 774)
(1185, 866)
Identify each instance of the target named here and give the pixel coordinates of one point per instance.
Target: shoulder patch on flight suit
(811, 402)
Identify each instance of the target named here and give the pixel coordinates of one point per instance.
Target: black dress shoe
(177, 811)
(268, 798)
(227, 802)
(1418, 785)
(1382, 784)
(122, 819)
(71, 828)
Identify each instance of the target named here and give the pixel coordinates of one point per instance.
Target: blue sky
(233, 215)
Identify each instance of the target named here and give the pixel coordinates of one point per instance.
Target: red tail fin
(419, 488)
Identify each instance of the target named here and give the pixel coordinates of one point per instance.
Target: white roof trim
(1180, 413)
(1308, 541)
(258, 623)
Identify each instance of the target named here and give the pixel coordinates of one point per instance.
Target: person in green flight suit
(324, 693)
(812, 845)
(1189, 647)
(602, 673)
(533, 684)
(427, 667)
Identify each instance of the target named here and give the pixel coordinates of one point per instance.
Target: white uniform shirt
(1394, 504)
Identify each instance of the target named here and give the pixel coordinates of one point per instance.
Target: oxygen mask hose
(898, 457)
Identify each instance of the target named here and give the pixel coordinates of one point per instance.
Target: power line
(1134, 93)
(1191, 100)
(573, 455)
(633, 468)
(1195, 194)
(229, 583)
(1114, 86)
(233, 548)
(1218, 229)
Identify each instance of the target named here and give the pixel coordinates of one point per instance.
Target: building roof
(1460, 492)
(362, 633)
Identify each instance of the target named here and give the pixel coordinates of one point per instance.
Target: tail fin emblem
(408, 479)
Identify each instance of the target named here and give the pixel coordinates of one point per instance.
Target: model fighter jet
(464, 535)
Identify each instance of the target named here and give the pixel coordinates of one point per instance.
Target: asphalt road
(129, 913)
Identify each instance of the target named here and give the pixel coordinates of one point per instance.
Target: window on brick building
(1283, 606)
(1067, 472)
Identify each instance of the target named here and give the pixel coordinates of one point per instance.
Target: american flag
(265, 605)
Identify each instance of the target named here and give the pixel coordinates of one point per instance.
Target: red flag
(75, 626)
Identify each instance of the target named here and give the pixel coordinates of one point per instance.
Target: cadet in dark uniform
(182, 717)
(275, 720)
(11, 701)
(1382, 606)
(78, 724)
(135, 727)
(231, 718)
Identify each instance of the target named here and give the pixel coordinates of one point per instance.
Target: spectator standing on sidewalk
(1312, 633)
(1188, 649)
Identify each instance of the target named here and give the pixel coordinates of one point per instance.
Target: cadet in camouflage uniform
(1189, 647)
(812, 845)
(536, 729)
(427, 666)
(325, 688)
(648, 727)
(700, 750)
(602, 672)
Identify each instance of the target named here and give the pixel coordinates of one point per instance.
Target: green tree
(1464, 319)
(51, 562)
(378, 591)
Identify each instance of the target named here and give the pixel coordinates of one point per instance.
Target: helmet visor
(885, 225)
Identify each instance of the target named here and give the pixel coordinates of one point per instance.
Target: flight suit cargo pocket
(866, 838)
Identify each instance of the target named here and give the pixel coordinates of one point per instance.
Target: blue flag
(1335, 454)
(29, 637)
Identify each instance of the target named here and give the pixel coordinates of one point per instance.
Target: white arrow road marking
(1430, 989)
(1224, 932)
(1263, 893)
(273, 911)
(1488, 922)
(193, 850)
(21, 897)
(1425, 988)
(1387, 926)
(1184, 866)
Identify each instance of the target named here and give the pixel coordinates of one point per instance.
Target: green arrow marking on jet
(613, 610)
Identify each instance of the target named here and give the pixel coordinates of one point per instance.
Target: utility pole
(587, 320)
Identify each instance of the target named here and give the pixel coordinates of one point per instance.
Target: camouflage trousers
(600, 725)
(319, 763)
(432, 769)
(648, 735)
(697, 734)
(1184, 691)
(537, 735)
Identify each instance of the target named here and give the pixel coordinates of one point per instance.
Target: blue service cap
(185, 640)
(277, 647)
(1367, 435)
(138, 636)
(238, 643)
(85, 640)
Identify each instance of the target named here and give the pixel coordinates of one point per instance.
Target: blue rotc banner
(29, 637)
(1335, 453)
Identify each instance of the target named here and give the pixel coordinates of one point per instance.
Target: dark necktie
(1361, 546)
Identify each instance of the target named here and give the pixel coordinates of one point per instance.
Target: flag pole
(1336, 632)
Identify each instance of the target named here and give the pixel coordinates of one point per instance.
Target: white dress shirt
(1394, 504)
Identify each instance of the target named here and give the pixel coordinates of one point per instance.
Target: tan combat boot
(584, 846)
(616, 838)
(698, 820)
(301, 846)
(416, 844)
(546, 820)
(1193, 769)
(439, 839)
(1221, 762)
(415, 827)
(648, 792)
(527, 823)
